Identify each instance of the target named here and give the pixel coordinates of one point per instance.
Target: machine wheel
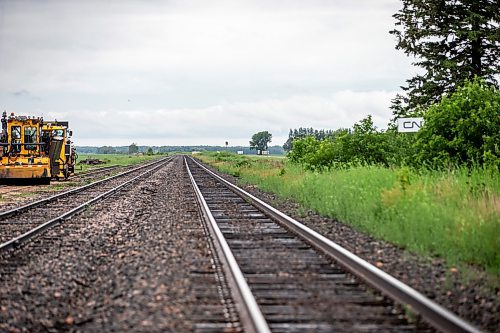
(66, 172)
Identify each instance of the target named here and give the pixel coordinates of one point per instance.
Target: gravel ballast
(135, 262)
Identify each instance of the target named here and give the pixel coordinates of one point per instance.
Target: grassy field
(112, 159)
(454, 215)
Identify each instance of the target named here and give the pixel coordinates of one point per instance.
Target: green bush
(462, 129)
(303, 148)
(361, 146)
(224, 156)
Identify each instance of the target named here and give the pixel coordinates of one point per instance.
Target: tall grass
(453, 214)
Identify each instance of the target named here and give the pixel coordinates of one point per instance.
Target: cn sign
(409, 124)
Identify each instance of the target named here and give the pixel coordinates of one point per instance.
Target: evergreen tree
(453, 41)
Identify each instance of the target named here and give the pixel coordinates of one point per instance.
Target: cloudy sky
(171, 72)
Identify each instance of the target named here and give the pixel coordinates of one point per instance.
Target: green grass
(454, 215)
(113, 159)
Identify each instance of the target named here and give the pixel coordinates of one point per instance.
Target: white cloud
(73, 46)
(228, 122)
(194, 71)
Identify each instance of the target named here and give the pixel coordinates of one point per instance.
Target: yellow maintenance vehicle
(33, 151)
(59, 147)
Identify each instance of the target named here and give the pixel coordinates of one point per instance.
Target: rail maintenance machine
(34, 151)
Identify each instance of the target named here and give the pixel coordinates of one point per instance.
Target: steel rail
(249, 312)
(93, 171)
(433, 313)
(15, 242)
(20, 209)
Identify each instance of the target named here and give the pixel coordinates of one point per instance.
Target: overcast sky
(196, 71)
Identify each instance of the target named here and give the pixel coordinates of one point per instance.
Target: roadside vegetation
(453, 214)
(436, 192)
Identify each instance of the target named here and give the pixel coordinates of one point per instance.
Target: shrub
(463, 128)
(361, 146)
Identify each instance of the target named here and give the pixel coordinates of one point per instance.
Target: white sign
(406, 125)
(240, 152)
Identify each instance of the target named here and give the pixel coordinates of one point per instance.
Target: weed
(59, 186)
(410, 314)
(404, 178)
(301, 212)
(243, 163)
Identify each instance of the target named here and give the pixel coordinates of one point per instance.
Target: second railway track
(20, 223)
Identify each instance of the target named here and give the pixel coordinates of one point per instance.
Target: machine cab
(22, 155)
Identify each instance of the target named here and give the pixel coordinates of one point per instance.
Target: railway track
(79, 177)
(285, 277)
(93, 172)
(20, 224)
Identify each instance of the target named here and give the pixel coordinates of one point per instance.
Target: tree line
(134, 148)
(462, 129)
(456, 44)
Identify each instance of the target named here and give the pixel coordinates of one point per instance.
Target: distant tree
(150, 151)
(133, 148)
(452, 40)
(260, 140)
(363, 145)
(302, 133)
(106, 150)
(287, 146)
